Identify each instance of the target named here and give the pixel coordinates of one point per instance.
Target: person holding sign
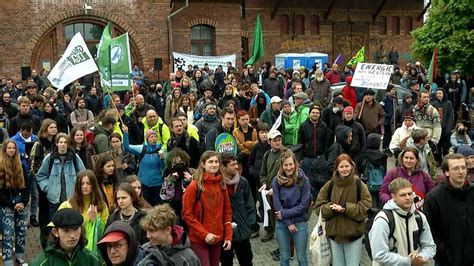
(216, 141)
(370, 113)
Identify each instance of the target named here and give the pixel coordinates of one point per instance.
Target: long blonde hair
(198, 174)
(11, 170)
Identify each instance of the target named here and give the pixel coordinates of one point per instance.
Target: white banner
(75, 63)
(375, 76)
(183, 60)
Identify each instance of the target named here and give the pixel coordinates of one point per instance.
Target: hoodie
(340, 146)
(135, 252)
(349, 92)
(446, 114)
(405, 225)
(180, 250)
(399, 135)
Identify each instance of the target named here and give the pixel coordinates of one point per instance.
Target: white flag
(75, 63)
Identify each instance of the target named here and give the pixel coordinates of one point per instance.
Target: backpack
(51, 163)
(373, 176)
(155, 257)
(372, 213)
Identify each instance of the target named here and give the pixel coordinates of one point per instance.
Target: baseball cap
(273, 134)
(275, 99)
(113, 236)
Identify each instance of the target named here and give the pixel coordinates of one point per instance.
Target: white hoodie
(390, 252)
(400, 134)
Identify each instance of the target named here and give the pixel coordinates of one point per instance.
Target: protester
(207, 211)
(134, 181)
(291, 199)
(66, 244)
(127, 210)
(389, 248)
(167, 237)
(88, 200)
(344, 202)
(15, 186)
(450, 213)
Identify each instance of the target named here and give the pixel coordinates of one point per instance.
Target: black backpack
(372, 213)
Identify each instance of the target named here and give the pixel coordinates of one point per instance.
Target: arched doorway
(48, 50)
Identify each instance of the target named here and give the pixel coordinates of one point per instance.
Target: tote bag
(319, 244)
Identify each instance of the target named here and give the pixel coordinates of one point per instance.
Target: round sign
(225, 142)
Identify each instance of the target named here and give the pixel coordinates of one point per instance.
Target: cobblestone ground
(260, 250)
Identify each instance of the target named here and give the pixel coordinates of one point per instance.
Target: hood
(342, 132)
(133, 245)
(412, 127)
(376, 157)
(348, 80)
(180, 238)
(259, 96)
(391, 205)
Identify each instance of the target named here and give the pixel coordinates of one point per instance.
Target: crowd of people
(138, 177)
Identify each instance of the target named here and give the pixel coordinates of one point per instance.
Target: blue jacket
(388, 107)
(150, 169)
(49, 181)
(22, 149)
(292, 201)
(253, 101)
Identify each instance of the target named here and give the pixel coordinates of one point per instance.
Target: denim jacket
(49, 181)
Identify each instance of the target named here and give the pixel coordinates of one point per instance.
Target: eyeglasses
(116, 246)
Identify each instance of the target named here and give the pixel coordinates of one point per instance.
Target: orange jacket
(245, 147)
(212, 213)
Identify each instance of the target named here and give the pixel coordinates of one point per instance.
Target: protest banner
(75, 63)
(375, 76)
(183, 60)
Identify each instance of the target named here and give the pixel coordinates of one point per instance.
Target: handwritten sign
(375, 76)
(114, 154)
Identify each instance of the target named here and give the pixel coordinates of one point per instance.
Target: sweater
(292, 201)
(396, 251)
(421, 181)
(429, 119)
(211, 213)
(350, 225)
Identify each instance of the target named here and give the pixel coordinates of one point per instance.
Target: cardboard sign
(374, 76)
(115, 154)
(225, 142)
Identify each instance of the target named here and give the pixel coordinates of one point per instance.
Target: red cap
(111, 237)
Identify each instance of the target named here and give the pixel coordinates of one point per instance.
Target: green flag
(358, 57)
(433, 66)
(114, 60)
(103, 57)
(257, 52)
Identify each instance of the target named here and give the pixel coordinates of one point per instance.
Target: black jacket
(60, 119)
(450, 213)
(135, 252)
(332, 120)
(340, 146)
(358, 137)
(139, 232)
(20, 118)
(255, 159)
(314, 138)
(446, 111)
(182, 142)
(243, 210)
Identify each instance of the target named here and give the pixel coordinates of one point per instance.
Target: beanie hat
(409, 115)
(285, 102)
(149, 133)
(373, 141)
(348, 109)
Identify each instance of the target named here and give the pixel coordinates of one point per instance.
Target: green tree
(450, 28)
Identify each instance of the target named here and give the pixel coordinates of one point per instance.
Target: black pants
(387, 136)
(243, 251)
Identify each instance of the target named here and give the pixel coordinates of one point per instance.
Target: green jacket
(303, 113)
(270, 167)
(290, 128)
(54, 256)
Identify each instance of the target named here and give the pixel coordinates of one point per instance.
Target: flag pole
(111, 87)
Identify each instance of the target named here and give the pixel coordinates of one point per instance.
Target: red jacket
(333, 77)
(349, 93)
(212, 213)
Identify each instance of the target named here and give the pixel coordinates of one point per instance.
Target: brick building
(34, 33)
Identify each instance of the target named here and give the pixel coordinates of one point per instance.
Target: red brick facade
(32, 32)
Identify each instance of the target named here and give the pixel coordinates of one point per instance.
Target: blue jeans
(300, 237)
(347, 254)
(14, 226)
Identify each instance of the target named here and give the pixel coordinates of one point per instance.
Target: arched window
(90, 32)
(202, 40)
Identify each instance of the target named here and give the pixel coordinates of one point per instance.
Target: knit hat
(211, 105)
(348, 109)
(338, 100)
(369, 92)
(149, 133)
(409, 116)
(373, 141)
(406, 95)
(285, 102)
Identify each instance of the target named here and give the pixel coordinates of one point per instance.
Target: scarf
(232, 181)
(283, 180)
